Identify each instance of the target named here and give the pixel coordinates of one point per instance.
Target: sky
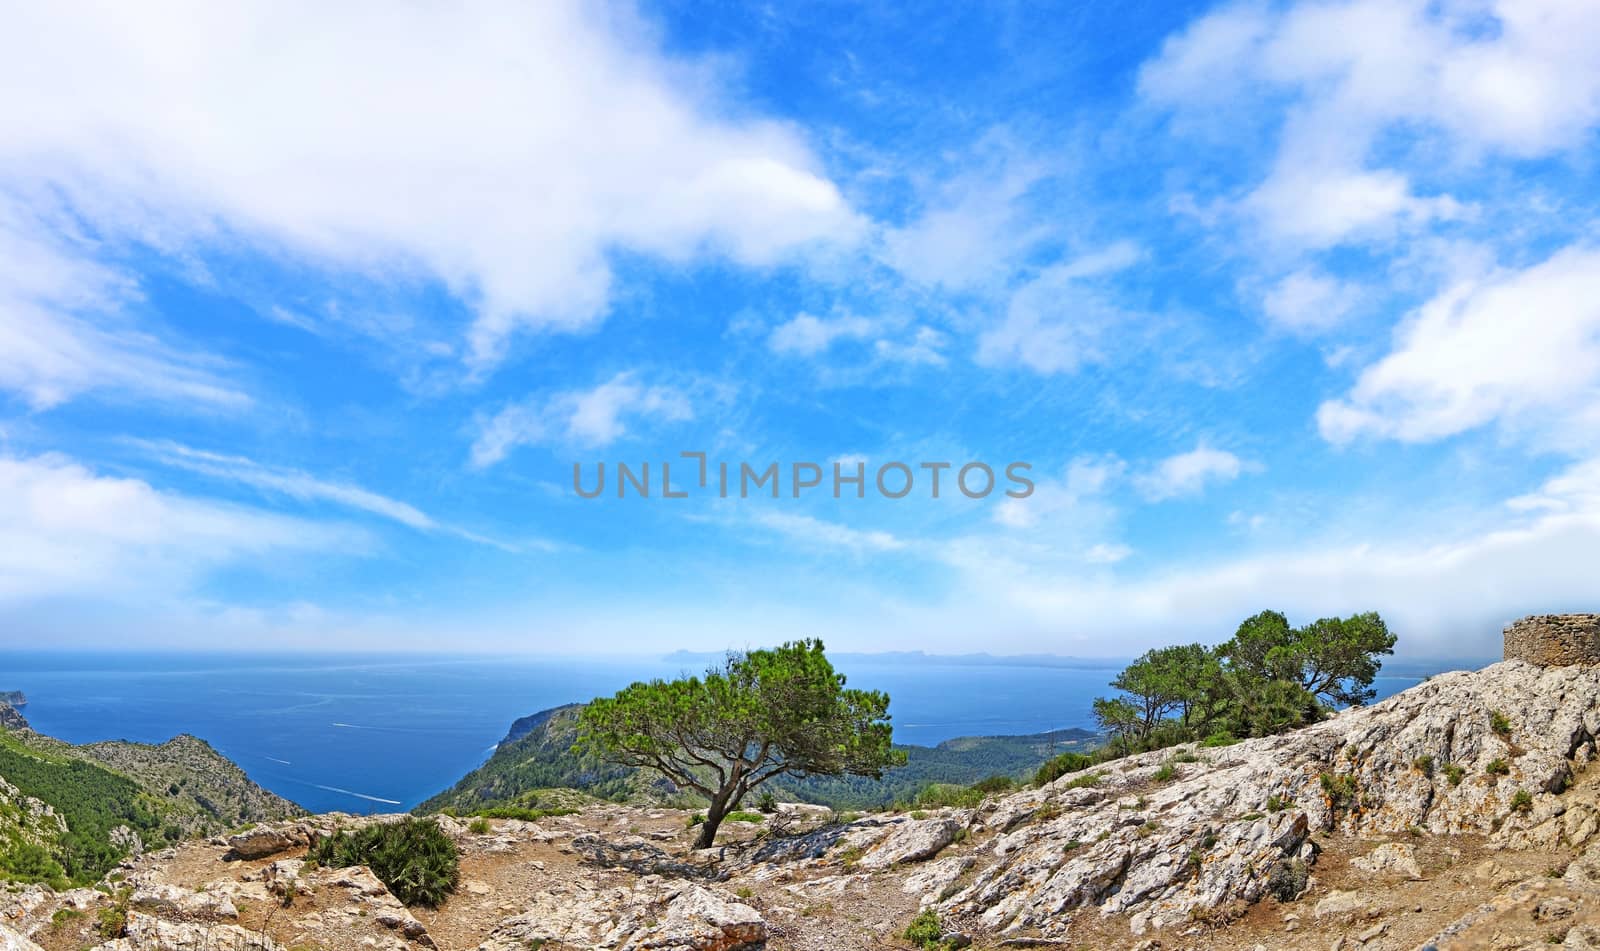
(308, 313)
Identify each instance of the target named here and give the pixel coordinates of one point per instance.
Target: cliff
(1463, 813)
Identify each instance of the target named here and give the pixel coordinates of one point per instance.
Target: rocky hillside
(1464, 813)
(70, 813)
(537, 757)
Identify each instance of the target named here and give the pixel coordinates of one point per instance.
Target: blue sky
(306, 315)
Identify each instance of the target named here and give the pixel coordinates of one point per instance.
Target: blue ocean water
(365, 733)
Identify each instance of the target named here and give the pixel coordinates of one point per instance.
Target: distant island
(15, 698)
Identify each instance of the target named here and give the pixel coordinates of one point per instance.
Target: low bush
(1340, 790)
(1059, 766)
(1497, 767)
(925, 931)
(939, 795)
(1287, 880)
(413, 857)
(995, 784)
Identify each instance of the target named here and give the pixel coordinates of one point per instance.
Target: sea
(382, 733)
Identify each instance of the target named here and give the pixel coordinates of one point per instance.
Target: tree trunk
(720, 806)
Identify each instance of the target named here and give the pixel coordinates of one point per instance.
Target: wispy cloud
(305, 487)
(590, 418)
(66, 530)
(66, 330)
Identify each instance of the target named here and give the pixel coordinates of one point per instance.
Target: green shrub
(1423, 764)
(925, 931)
(1454, 773)
(939, 795)
(520, 812)
(1522, 801)
(1166, 772)
(1059, 766)
(994, 784)
(1277, 804)
(1287, 880)
(1218, 739)
(413, 857)
(694, 820)
(741, 816)
(1499, 724)
(1340, 789)
(479, 826)
(1087, 779)
(1497, 767)
(768, 803)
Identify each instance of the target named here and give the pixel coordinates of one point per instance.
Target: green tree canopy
(1333, 659)
(1268, 678)
(764, 713)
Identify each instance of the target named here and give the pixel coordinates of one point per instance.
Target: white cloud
(1055, 322)
(1513, 346)
(65, 530)
(503, 150)
(64, 330)
(975, 226)
(1321, 207)
(816, 532)
(1189, 473)
(1308, 302)
(1106, 553)
(589, 418)
(807, 335)
(1516, 77)
(1074, 496)
(283, 481)
(925, 348)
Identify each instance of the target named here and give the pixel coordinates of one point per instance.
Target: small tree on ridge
(763, 714)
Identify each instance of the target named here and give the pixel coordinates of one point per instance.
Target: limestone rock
(262, 841)
(11, 941)
(1392, 859)
(911, 840)
(654, 914)
(935, 881)
(178, 902)
(154, 934)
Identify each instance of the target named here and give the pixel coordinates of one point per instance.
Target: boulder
(912, 840)
(264, 841)
(1391, 860)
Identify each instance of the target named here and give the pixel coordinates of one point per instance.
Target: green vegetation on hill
(68, 814)
(97, 808)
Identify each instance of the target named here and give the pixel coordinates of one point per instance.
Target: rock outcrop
(1463, 813)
